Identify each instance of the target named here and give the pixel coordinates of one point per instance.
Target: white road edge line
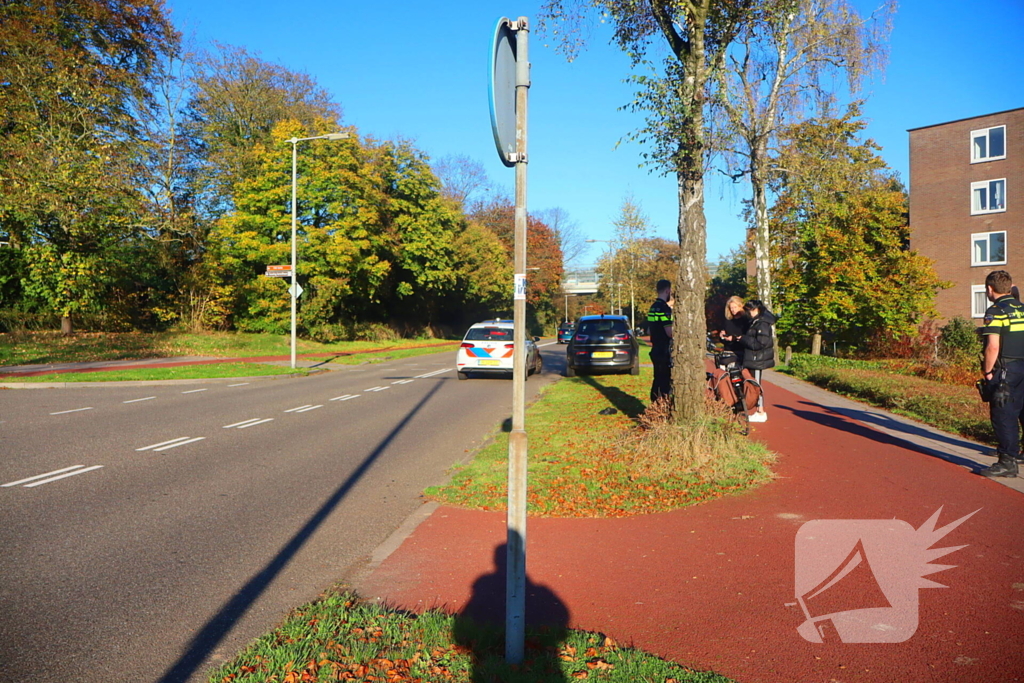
(162, 443)
(181, 443)
(242, 384)
(136, 400)
(192, 391)
(76, 410)
(69, 474)
(41, 476)
(548, 344)
(258, 422)
(238, 424)
(306, 410)
(293, 410)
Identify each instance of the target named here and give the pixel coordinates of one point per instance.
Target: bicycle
(728, 384)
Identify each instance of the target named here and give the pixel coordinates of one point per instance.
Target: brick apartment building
(967, 204)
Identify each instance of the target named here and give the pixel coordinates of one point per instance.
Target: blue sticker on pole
(502, 90)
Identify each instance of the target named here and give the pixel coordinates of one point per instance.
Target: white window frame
(987, 185)
(988, 249)
(986, 132)
(976, 289)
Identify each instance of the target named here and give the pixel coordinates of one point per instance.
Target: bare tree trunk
(65, 325)
(761, 230)
(688, 322)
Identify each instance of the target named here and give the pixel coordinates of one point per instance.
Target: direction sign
(279, 271)
(295, 289)
(502, 90)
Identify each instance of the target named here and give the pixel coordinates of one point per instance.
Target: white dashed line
(62, 476)
(375, 389)
(238, 385)
(349, 398)
(40, 476)
(308, 408)
(243, 422)
(180, 443)
(431, 374)
(162, 443)
(136, 400)
(258, 422)
(403, 381)
(76, 410)
(342, 398)
(193, 391)
(295, 410)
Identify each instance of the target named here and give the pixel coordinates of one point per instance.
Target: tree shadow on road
(217, 628)
(479, 627)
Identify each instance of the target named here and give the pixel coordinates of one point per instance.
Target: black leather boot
(1006, 467)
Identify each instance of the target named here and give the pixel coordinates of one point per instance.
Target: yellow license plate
(603, 354)
(490, 362)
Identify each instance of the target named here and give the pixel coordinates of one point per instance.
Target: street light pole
(295, 280)
(567, 295)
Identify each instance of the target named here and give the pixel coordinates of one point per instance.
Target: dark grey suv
(602, 343)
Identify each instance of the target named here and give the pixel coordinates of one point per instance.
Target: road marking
(41, 476)
(258, 422)
(162, 443)
(548, 344)
(76, 410)
(295, 410)
(193, 391)
(347, 398)
(239, 424)
(403, 381)
(136, 400)
(376, 389)
(431, 374)
(180, 443)
(342, 398)
(62, 476)
(308, 408)
(238, 385)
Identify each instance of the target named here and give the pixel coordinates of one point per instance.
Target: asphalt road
(178, 522)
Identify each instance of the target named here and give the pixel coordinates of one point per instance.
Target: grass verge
(951, 407)
(338, 638)
(30, 348)
(587, 464)
(206, 371)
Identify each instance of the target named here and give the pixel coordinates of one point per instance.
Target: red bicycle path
(712, 586)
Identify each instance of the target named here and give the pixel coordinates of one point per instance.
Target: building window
(988, 248)
(988, 196)
(979, 301)
(988, 144)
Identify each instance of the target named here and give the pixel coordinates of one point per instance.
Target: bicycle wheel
(742, 414)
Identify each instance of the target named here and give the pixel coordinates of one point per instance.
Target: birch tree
(781, 69)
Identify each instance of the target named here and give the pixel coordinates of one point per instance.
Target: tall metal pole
(515, 586)
(295, 279)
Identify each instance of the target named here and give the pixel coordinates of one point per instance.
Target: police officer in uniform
(1004, 354)
(659, 324)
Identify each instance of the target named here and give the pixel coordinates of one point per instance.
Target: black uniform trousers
(1005, 417)
(662, 384)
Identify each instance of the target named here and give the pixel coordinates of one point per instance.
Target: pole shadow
(844, 423)
(214, 631)
(479, 627)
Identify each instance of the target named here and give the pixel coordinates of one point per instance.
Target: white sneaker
(758, 417)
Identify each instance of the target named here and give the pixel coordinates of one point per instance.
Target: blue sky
(419, 71)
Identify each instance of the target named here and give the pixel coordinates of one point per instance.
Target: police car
(487, 349)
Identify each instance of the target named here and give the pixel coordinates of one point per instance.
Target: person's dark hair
(663, 285)
(1000, 281)
(752, 304)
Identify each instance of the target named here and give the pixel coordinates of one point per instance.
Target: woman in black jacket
(759, 348)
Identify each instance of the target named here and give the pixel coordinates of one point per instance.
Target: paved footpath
(712, 586)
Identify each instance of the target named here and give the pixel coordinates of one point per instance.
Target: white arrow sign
(295, 290)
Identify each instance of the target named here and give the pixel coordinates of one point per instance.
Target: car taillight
(510, 346)
(582, 337)
(466, 345)
(621, 337)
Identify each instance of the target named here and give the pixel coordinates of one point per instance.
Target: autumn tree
(841, 236)
(781, 67)
(674, 96)
(72, 77)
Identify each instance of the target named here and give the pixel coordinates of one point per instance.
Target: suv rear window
(601, 330)
(489, 334)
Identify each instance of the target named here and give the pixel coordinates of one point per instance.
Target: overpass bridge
(581, 281)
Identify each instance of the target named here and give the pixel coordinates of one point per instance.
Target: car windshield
(489, 334)
(567, 327)
(601, 330)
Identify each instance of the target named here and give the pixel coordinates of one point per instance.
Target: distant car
(565, 332)
(602, 342)
(488, 348)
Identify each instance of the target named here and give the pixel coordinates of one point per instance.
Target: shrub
(959, 334)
